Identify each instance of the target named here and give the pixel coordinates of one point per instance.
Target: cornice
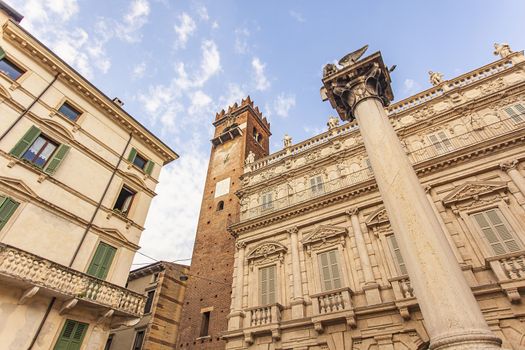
(26, 42)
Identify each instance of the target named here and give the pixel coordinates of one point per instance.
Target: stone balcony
(263, 319)
(332, 305)
(510, 273)
(404, 295)
(35, 274)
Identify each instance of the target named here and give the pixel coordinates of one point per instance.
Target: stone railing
(417, 156)
(403, 294)
(39, 272)
(264, 315)
(510, 272)
(331, 301)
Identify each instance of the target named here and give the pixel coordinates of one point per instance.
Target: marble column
(236, 316)
(370, 286)
(360, 90)
(511, 168)
(297, 301)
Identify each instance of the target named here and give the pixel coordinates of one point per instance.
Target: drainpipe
(28, 108)
(88, 227)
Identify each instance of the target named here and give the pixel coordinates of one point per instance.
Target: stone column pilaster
(370, 286)
(360, 90)
(511, 168)
(235, 318)
(297, 301)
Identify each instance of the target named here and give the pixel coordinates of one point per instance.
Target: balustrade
(264, 315)
(37, 271)
(510, 273)
(331, 301)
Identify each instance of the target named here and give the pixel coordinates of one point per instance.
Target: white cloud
(139, 70)
(297, 16)
(200, 103)
(215, 25)
(283, 103)
(411, 87)
(261, 82)
(241, 40)
(202, 11)
(184, 29)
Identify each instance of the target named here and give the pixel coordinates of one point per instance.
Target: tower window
(220, 206)
(205, 325)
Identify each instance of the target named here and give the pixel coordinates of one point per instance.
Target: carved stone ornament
(250, 158)
(473, 190)
(509, 165)
(503, 50)
(435, 78)
(323, 233)
(287, 141)
(266, 249)
(355, 81)
(378, 217)
(333, 122)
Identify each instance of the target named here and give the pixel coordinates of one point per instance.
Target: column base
(235, 320)
(297, 307)
(372, 293)
(467, 340)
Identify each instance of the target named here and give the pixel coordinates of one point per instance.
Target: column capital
(427, 189)
(292, 230)
(509, 165)
(240, 245)
(352, 211)
(356, 81)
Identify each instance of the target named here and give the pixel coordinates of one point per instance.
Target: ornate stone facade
(340, 279)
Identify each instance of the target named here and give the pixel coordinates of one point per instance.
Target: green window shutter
(132, 154)
(7, 208)
(71, 336)
(2, 53)
(148, 169)
(26, 141)
(57, 159)
(101, 261)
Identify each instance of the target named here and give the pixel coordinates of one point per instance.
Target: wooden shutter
(517, 113)
(2, 53)
(396, 254)
(7, 208)
(316, 184)
(132, 154)
(267, 285)
(497, 231)
(329, 269)
(101, 261)
(71, 336)
(148, 168)
(59, 155)
(26, 141)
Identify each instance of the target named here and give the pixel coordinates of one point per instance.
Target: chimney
(118, 102)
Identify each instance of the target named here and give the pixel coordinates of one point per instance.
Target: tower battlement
(236, 108)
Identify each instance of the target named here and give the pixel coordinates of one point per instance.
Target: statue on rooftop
(435, 78)
(333, 122)
(503, 49)
(250, 158)
(287, 141)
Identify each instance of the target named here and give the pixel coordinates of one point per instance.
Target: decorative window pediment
(473, 190)
(324, 233)
(378, 217)
(17, 185)
(266, 249)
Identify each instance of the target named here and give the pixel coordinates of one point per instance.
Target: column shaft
(239, 286)
(361, 248)
(451, 313)
(297, 297)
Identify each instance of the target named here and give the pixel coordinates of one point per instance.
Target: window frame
(445, 145)
(148, 292)
(319, 187)
(205, 324)
(22, 68)
(134, 345)
(111, 263)
(516, 113)
(260, 286)
(72, 106)
(149, 164)
(47, 141)
(127, 212)
(322, 284)
(265, 203)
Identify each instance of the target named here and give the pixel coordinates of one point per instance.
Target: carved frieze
(378, 217)
(324, 235)
(473, 190)
(265, 250)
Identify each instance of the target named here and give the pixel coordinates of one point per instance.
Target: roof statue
(502, 49)
(250, 158)
(435, 78)
(287, 141)
(333, 122)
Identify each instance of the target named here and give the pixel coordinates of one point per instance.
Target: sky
(176, 63)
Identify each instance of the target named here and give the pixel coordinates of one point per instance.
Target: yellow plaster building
(77, 176)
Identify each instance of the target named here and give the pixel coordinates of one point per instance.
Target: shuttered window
(440, 141)
(140, 161)
(139, 339)
(497, 231)
(267, 201)
(316, 184)
(71, 336)
(7, 208)
(267, 285)
(396, 255)
(149, 302)
(101, 261)
(330, 272)
(39, 150)
(516, 112)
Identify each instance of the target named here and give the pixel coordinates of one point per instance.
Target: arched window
(220, 206)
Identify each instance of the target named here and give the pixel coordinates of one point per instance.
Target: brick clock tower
(208, 295)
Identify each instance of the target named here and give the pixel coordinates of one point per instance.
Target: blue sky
(176, 63)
